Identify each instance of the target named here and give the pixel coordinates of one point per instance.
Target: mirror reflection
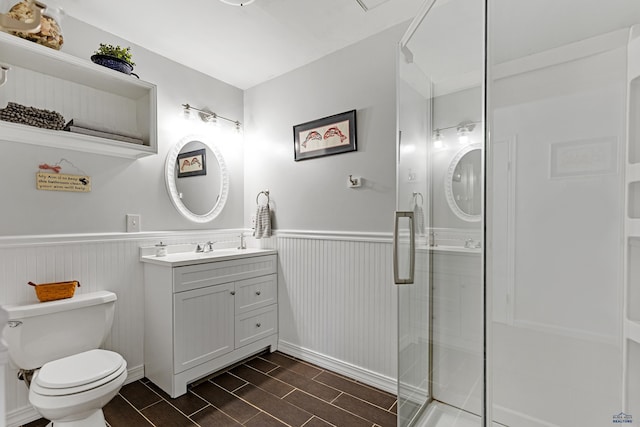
(196, 178)
(463, 183)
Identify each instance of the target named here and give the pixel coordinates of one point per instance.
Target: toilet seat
(78, 373)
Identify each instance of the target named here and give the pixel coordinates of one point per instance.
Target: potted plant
(114, 57)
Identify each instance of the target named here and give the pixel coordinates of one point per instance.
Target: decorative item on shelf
(114, 57)
(48, 33)
(56, 290)
(31, 116)
(9, 23)
(87, 127)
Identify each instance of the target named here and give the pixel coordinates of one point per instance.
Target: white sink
(177, 259)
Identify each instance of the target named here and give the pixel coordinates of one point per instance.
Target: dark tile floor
(271, 389)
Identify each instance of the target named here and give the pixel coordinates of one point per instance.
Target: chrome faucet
(243, 244)
(205, 247)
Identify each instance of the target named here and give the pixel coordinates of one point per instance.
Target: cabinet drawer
(255, 325)
(255, 293)
(203, 275)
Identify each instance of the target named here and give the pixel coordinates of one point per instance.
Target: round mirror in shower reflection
(463, 183)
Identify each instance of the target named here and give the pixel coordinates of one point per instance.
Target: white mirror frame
(448, 184)
(170, 179)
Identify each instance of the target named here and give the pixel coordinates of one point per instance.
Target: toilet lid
(79, 369)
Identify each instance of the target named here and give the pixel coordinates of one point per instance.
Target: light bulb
(437, 139)
(463, 135)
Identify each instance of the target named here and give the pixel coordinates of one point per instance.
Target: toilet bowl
(58, 343)
(72, 391)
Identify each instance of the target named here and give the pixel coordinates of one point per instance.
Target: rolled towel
(263, 222)
(90, 125)
(31, 116)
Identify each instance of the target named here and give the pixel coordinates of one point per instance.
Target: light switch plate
(133, 223)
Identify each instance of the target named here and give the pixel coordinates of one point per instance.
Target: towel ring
(266, 193)
(415, 198)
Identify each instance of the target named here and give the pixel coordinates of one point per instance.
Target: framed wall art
(192, 163)
(323, 137)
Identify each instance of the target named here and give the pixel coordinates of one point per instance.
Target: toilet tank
(40, 333)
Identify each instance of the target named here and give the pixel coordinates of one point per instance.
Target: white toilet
(58, 340)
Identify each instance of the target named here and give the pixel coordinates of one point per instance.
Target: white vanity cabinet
(202, 317)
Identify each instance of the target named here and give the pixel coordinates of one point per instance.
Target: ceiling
(247, 45)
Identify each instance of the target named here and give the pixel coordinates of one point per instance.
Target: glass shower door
(440, 181)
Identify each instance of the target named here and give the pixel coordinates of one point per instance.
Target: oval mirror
(462, 183)
(197, 178)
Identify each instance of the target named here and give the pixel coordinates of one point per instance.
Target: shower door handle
(411, 253)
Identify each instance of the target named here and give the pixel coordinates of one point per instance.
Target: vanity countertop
(179, 259)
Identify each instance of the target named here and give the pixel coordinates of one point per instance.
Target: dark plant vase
(113, 63)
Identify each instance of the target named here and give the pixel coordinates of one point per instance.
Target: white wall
(120, 186)
(313, 194)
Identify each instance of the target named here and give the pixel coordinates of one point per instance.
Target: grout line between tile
(138, 411)
(337, 407)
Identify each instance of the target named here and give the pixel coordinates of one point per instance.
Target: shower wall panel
(560, 333)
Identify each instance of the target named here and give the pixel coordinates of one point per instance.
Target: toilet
(56, 346)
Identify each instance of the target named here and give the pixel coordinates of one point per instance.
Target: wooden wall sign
(63, 182)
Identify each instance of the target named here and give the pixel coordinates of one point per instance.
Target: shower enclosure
(517, 244)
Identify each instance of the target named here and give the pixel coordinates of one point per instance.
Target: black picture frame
(197, 163)
(324, 137)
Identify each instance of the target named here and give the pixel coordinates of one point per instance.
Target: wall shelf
(78, 89)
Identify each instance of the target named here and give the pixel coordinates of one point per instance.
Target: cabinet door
(256, 293)
(203, 325)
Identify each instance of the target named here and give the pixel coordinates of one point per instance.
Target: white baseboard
(21, 416)
(365, 376)
(134, 374)
(26, 414)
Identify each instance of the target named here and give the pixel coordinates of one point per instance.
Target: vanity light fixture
(463, 130)
(207, 116)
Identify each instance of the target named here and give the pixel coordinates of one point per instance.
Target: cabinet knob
(258, 292)
(258, 325)
(233, 292)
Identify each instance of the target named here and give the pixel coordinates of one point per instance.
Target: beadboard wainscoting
(98, 262)
(338, 303)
